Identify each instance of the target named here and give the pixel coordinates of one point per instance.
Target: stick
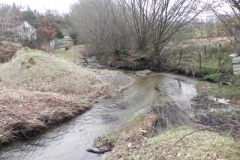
(190, 134)
(201, 130)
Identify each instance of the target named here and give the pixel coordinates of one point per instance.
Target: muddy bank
(215, 129)
(25, 113)
(218, 116)
(206, 141)
(163, 64)
(40, 90)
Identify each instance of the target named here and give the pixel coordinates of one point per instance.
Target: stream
(70, 140)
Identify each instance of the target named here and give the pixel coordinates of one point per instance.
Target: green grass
(69, 55)
(223, 113)
(213, 77)
(199, 145)
(194, 144)
(222, 91)
(209, 60)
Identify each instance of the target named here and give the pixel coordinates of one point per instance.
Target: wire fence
(200, 57)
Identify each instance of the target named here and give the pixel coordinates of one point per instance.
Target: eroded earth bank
(139, 115)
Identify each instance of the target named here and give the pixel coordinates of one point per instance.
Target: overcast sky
(62, 6)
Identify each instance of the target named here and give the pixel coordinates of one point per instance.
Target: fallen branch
(203, 129)
(190, 134)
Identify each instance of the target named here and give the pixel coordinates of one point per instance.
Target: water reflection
(176, 92)
(71, 139)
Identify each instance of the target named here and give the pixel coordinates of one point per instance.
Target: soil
(207, 113)
(128, 138)
(23, 113)
(216, 116)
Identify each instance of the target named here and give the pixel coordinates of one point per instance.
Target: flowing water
(70, 140)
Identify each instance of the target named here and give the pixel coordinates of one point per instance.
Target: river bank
(212, 134)
(136, 140)
(34, 98)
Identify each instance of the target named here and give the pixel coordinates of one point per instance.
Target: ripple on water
(70, 140)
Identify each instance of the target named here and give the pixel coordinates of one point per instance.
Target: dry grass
(23, 112)
(40, 89)
(208, 41)
(73, 55)
(200, 145)
(8, 49)
(36, 70)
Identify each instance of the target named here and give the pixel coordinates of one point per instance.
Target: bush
(8, 50)
(213, 77)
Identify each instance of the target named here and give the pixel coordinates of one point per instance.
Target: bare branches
(236, 4)
(10, 16)
(143, 25)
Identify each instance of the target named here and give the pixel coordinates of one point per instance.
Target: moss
(137, 115)
(222, 91)
(223, 113)
(213, 77)
(188, 71)
(199, 145)
(143, 58)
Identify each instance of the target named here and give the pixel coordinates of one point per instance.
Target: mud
(218, 116)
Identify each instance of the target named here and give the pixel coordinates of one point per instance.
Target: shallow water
(70, 140)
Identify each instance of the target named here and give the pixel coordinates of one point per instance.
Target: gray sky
(62, 6)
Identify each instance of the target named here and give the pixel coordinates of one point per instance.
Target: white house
(26, 31)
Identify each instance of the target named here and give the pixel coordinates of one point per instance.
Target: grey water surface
(70, 140)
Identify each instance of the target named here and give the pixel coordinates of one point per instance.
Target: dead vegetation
(36, 70)
(128, 138)
(24, 112)
(180, 143)
(8, 50)
(39, 89)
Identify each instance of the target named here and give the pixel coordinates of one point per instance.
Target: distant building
(18, 31)
(26, 31)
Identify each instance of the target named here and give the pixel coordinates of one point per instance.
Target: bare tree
(156, 22)
(10, 17)
(145, 26)
(236, 4)
(101, 23)
(229, 16)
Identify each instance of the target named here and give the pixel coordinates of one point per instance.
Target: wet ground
(168, 95)
(216, 114)
(70, 140)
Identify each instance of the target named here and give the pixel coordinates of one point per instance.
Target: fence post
(219, 55)
(180, 57)
(200, 61)
(205, 50)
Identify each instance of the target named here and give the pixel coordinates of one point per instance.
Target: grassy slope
(73, 55)
(39, 89)
(44, 72)
(131, 143)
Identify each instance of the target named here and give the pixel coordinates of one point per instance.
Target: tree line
(148, 28)
(115, 27)
(46, 24)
